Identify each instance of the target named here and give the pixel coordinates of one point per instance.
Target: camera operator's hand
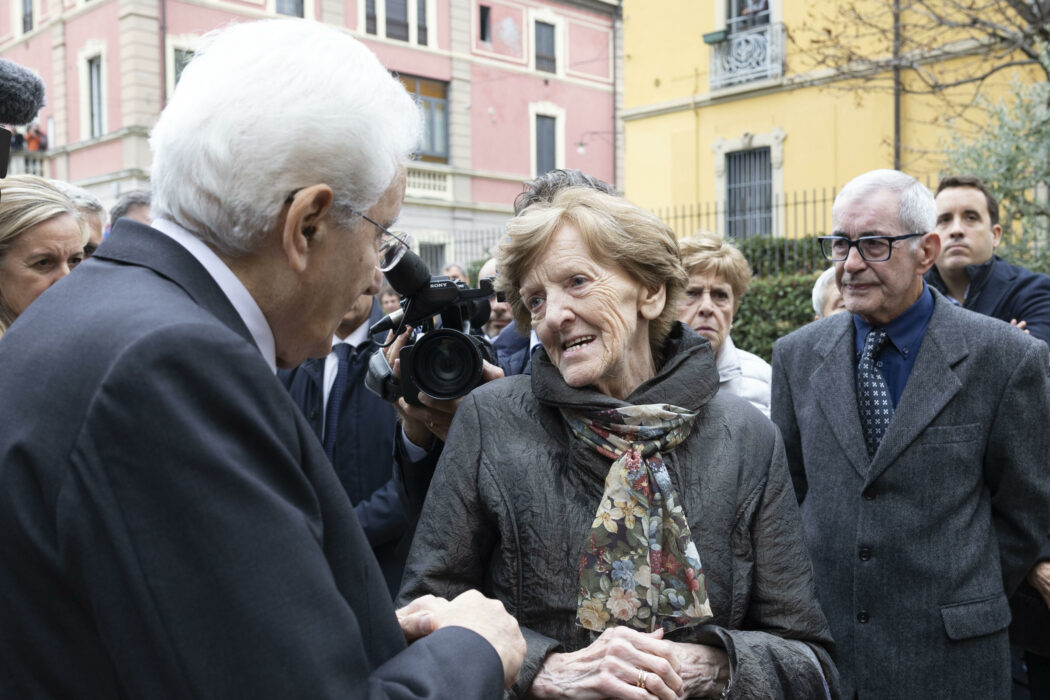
(423, 423)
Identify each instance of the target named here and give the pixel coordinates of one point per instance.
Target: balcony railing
(28, 163)
(428, 183)
(748, 55)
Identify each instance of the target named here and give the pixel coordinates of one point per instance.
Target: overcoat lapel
(834, 386)
(137, 244)
(931, 385)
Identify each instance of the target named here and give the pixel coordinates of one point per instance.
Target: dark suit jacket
(1006, 292)
(1009, 292)
(169, 524)
(916, 550)
(513, 351)
(364, 451)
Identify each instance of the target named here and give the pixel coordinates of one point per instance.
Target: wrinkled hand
(611, 667)
(475, 612)
(1022, 325)
(705, 670)
(433, 418)
(1039, 579)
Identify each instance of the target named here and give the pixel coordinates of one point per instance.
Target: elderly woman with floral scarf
(641, 526)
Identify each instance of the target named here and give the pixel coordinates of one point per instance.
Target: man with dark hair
(970, 273)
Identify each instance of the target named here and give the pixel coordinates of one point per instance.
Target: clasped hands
(475, 612)
(625, 663)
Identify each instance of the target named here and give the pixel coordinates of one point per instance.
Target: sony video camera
(442, 360)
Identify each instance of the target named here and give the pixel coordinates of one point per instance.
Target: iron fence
(781, 234)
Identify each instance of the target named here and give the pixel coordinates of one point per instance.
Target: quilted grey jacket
(515, 493)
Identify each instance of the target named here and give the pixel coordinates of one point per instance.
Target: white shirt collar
(231, 286)
(356, 338)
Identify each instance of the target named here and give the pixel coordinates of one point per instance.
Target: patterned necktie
(335, 399)
(873, 395)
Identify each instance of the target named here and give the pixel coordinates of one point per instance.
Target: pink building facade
(509, 89)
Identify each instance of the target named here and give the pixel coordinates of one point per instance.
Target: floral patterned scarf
(640, 567)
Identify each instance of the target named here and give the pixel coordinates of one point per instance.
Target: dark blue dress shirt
(906, 332)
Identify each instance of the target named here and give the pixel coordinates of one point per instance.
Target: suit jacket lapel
(834, 386)
(137, 244)
(931, 385)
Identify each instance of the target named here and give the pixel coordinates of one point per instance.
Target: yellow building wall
(832, 131)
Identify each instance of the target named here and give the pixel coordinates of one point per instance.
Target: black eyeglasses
(392, 246)
(871, 248)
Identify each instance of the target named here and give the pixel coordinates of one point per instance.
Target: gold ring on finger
(642, 676)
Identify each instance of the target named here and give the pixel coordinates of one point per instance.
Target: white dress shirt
(243, 302)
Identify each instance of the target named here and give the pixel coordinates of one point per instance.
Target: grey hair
(270, 107)
(81, 198)
(820, 290)
(918, 208)
(134, 198)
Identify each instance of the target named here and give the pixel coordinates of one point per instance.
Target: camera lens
(446, 364)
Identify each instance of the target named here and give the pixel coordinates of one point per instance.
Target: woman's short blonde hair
(25, 201)
(616, 233)
(709, 253)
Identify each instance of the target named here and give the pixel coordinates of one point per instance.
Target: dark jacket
(515, 494)
(169, 524)
(1006, 292)
(364, 450)
(512, 350)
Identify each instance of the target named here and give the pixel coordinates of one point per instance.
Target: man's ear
(651, 301)
(302, 225)
(997, 236)
(929, 249)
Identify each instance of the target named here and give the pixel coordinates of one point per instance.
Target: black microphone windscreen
(409, 275)
(21, 93)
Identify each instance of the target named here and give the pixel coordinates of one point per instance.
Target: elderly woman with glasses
(639, 524)
(719, 275)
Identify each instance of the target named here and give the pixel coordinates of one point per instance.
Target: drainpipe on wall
(896, 84)
(163, 54)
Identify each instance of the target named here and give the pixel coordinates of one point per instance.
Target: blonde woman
(41, 241)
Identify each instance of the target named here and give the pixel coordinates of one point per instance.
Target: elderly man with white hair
(169, 523)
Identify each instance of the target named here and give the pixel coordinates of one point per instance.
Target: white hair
(267, 108)
(820, 290)
(918, 208)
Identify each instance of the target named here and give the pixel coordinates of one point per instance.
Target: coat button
(865, 553)
(868, 494)
(862, 617)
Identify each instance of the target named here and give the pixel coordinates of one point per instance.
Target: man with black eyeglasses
(923, 497)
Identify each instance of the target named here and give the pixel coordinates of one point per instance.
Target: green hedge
(772, 308)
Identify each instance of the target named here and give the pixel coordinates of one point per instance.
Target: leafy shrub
(772, 308)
